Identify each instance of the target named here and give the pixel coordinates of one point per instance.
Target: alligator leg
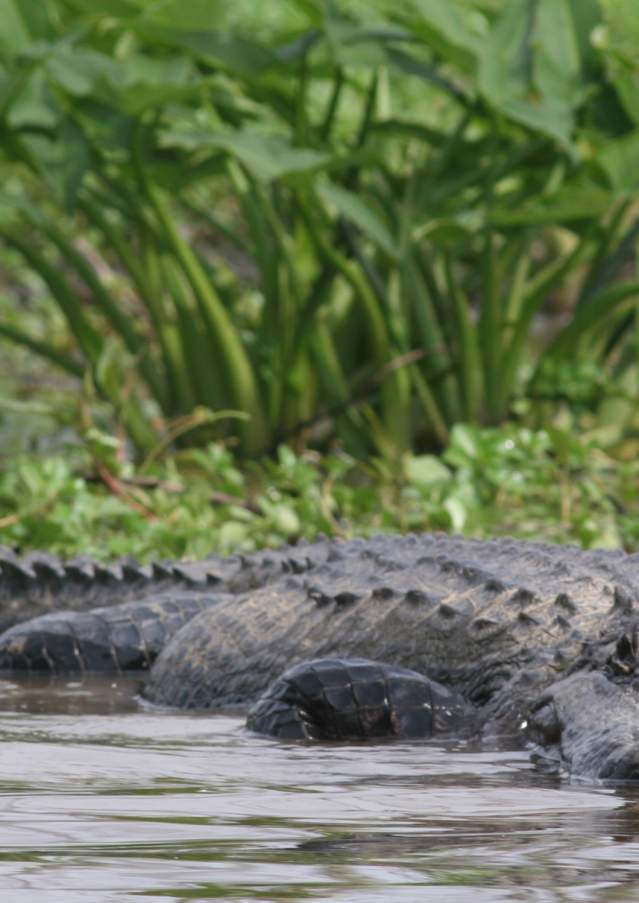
(589, 725)
(355, 699)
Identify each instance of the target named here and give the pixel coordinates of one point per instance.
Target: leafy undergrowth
(545, 485)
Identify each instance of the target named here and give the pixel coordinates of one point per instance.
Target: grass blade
(468, 356)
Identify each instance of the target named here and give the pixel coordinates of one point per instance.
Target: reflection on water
(104, 801)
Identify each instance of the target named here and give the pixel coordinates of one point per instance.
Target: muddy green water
(104, 801)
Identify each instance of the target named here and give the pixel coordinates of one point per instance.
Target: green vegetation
(370, 232)
(543, 484)
(342, 222)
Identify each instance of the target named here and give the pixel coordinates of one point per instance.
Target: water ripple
(102, 801)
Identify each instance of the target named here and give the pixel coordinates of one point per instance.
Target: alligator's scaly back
(520, 631)
(40, 583)
(492, 618)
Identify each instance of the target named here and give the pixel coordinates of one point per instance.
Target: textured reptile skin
(521, 633)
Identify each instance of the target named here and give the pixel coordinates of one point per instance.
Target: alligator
(393, 636)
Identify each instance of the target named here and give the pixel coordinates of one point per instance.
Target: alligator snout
(589, 724)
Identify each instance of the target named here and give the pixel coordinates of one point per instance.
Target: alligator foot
(355, 699)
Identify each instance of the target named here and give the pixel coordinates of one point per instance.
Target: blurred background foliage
(356, 230)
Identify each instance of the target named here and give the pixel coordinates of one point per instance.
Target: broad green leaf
(78, 69)
(574, 201)
(109, 90)
(135, 99)
(267, 157)
(622, 24)
(352, 44)
(530, 68)
(132, 84)
(270, 157)
(457, 512)
(231, 535)
(285, 519)
(108, 127)
(464, 447)
(443, 25)
(620, 161)
(223, 49)
(618, 41)
(21, 22)
(14, 34)
(141, 83)
(122, 9)
(12, 206)
(63, 161)
(408, 65)
(145, 70)
(355, 210)
(196, 14)
(450, 230)
(427, 470)
(35, 104)
(313, 10)
(627, 86)
(556, 60)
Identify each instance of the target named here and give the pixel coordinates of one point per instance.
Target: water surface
(103, 800)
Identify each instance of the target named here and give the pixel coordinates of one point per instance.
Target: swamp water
(102, 800)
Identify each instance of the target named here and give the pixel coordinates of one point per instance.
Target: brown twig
(115, 486)
(223, 498)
